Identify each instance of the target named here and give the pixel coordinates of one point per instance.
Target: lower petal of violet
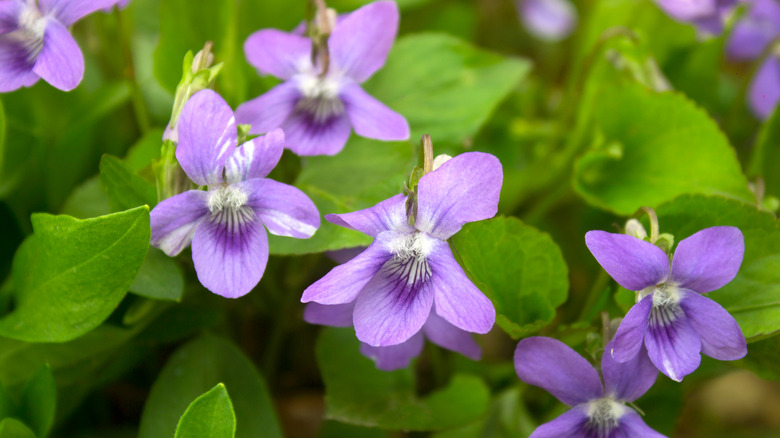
(672, 343)
(230, 252)
(446, 335)
(721, 337)
(307, 136)
(16, 69)
(395, 357)
(60, 62)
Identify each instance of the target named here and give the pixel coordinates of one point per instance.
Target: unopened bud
(326, 21)
(439, 160)
(636, 229)
(665, 242)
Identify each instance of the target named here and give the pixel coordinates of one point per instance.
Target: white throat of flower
(320, 94)
(30, 31)
(410, 257)
(604, 415)
(228, 206)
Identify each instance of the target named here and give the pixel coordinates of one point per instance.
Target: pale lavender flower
(225, 224)
(672, 317)
(548, 20)
(706, 15)
(598, 411)
(35, 42)
(408, 272)
(755, 31)
(319, 112)
(764, 92)
(436, 329)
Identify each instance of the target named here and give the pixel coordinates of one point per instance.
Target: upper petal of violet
(360, 42)
(277, 53)
(68, 12)
(464, 189)
(60, 61)
(255, 158)
(207, 137)
(552, 365)
(371, 118)
(283, 209)
(633, 263)
(388, 215)
(709, 259)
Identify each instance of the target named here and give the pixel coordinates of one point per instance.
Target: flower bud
(635, 228)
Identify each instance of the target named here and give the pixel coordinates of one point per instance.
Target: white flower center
(320, 93)
(410, 257)
(604, 415)
(228, 197)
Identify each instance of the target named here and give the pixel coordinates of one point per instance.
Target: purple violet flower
(394, 357)
(753, 33)
(672, 317)
(764, 91)
(548, 20)
(598, 411)
(318, 112)
(225, 224)
(408, 271)
(35, 42)
(706, 15)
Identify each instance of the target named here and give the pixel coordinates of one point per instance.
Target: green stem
(139, 105)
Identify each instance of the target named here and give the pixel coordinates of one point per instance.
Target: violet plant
(389, 289)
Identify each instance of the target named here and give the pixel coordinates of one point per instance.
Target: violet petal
(371, 118)
(721, 337)
(15, 70)
(457, 299)
(753, 33)
(344, 282)
(633, 263)
(553, 366)
(230, 258)
(285, 210)
(629, 380)
(9, 16)
(269, 110)
(395, 357)
(764, 91)
(360, 42)
(548, 20)
(207, 137)
(569, 424)
(632, 426)
(277, 53)
(307, 136)
(631, 332)
(446, 335)
(388, 215)
(255, 158)
(60, 62)
(464, 189)
(709, 259)
(335, 315)
(672, 343)
(687, 10)
(68, 12)
(174, 220)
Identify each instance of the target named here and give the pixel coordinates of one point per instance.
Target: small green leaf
(7, 405)
(39, 401)
(358, 393)
(194, 369)
(767, 154)
(159, 278)
(209, 416)
(658, 142)
(124, 188)
(71, 274)
(753, 297)
(526, 290)
(13, 428)
(87, 200)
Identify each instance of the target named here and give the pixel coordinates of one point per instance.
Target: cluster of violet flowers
(407, 286)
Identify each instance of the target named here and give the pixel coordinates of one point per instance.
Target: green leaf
(159, 278)
(124, 188)
(444, 86)
(209, 416)
(358, 393)
(71, 274)
(39, 402)
(13, 428)
(2, 136)
(87, 200)
(525, 291)
(753, 297)
(652, 148)
(763, 358)
(144, 151)
(7, 405)
(767, 155)
(194, 369)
